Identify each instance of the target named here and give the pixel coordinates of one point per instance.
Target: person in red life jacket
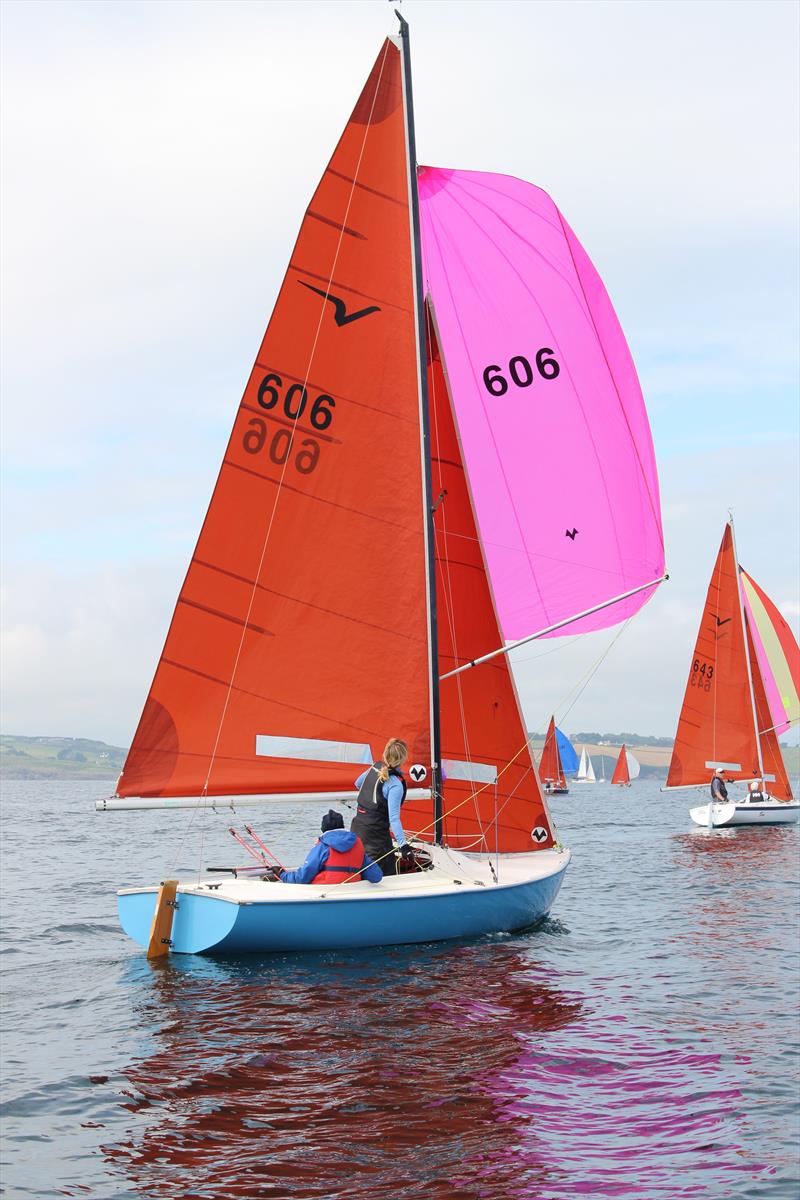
(338, 857)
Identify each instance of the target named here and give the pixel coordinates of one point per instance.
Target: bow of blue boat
(462, 895)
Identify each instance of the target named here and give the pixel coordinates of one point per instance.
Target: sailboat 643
(742, 692)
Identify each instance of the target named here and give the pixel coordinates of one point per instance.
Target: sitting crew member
(338, 857)
(758, 792)
(381, 792)
(719, 793)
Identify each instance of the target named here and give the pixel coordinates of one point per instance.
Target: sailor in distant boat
(338, 857)
(719, 793)
(381, 792)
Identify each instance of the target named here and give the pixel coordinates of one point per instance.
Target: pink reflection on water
(452, 1073)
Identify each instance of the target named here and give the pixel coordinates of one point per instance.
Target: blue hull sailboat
(459, 896)
(341, 592)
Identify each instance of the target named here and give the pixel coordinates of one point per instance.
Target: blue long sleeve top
(393, 791)
(336, 839)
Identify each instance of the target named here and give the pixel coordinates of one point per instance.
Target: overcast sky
(157, 160)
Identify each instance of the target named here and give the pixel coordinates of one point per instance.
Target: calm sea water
(641, 1042)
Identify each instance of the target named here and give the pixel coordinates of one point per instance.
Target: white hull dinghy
(764, 812)
(329, 607)
(743, 691)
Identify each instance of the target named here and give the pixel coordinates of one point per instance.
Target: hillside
(58, 758)
(653, 753)
(82, 758)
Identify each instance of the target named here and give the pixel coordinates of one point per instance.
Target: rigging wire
(553, 650)
(580, 687)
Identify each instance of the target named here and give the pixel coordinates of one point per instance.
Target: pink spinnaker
(561, 464)
(777, 653)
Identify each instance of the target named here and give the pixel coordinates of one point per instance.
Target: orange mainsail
(716, 721)
(621, 772)
(492, 799)
(550, 768)
(308, 582)
(725, 719)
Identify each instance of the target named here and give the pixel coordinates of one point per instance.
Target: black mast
(436, 765)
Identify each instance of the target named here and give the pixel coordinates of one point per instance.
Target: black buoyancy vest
(718, 790)
(372, 805)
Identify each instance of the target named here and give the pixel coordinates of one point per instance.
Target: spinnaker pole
(419, 302)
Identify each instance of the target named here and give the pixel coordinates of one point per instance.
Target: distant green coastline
(82, 758)
(58, 758)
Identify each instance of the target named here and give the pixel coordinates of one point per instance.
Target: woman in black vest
(381, 792)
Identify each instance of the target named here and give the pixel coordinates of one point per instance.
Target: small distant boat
(551, 769)
(742, 692)
(586, 770)
(627, 768)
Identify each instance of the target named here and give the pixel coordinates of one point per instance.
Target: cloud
(157, 162)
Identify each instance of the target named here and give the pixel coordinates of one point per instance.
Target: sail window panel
(273, 746)
(472, 772)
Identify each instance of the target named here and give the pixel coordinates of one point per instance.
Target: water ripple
(640, 1043)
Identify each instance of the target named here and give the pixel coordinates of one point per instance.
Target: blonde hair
(395, 753)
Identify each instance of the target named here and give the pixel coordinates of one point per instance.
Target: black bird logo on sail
(340, 314)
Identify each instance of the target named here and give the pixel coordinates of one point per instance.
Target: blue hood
(339, 839)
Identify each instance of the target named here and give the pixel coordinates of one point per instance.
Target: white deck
(452, 872)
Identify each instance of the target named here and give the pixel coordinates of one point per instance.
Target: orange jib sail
(300, 643)
(492, 799)
(716, 725)
(621, 772)
(550, 769)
